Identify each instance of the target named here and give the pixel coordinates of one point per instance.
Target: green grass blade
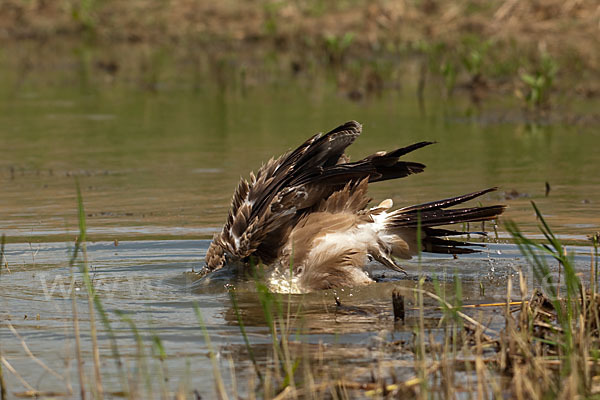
(244, 335)
(220, 386)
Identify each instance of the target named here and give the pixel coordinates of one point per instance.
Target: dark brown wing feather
(442, 217)
(430, 215)
(445, 203)
(317, 152)
(264, 209)
(261, 211)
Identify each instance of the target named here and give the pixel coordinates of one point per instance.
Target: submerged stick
(398, 305)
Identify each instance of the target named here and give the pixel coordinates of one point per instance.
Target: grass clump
(539, 82)
(557, 336)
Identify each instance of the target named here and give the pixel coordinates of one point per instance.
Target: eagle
(306, 215)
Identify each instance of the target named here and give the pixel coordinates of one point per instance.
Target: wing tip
(351, 126)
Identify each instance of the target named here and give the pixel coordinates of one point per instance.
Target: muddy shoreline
(529, 51)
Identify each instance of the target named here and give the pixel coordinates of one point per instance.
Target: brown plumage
(308, 209)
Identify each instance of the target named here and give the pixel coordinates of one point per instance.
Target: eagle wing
(265, 208)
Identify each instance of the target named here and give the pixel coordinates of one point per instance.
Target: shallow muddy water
(157, 171)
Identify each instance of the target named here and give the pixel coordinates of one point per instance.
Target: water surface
(157, 171)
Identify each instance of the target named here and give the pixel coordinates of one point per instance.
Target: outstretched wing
(265, 208)
(259, 211)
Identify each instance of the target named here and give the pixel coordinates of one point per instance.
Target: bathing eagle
(307, 212)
